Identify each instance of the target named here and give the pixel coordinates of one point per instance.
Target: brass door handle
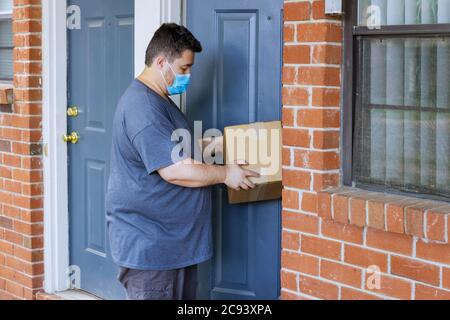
(72, 112)
(72, 138)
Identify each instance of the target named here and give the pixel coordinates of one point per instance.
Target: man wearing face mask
(158, 211)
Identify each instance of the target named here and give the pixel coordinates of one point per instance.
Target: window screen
(6, 42)
(402, 102)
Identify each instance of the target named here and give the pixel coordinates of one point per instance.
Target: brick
(395, 218)
(289, 280)
(351, 276)
(27, 26)
(289, 33)
(14, 289)
(391, 286)
(5, 146)
(340, 208)
(318, 288)
(326, 97)
(286, 155)
(300, 222)
(318, 118)
(321, 247)
(309, 202)
(358, 212)
(297, 54)
(27, 40)
(286, 295)
(27, 13)
(297, 11)
(323, 181)
(319, 32)
(297, 179)
(25, 67)
(376, 214)
(300, 262)
(352, 294)
(318, 160)
(326, 139)
(389, 241)
(290, 199)
(296, 138)
(414, 269)
(365, 258)
(414, 221)
(290, 240)
(435, 226)
(5, 223)
(295, 96)
(289, 75)
(446, 278)
(429, 293)
(433, 251)
(319, 76)
(327, 54)
(324, 205)
(344, 232)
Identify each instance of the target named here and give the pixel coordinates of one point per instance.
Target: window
(6, 42)
(398, 96)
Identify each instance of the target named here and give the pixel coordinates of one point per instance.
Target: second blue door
(101, 66)
(236, 80)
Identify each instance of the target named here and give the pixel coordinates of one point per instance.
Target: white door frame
(148, 16)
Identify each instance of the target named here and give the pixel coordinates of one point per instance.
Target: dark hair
(172, 40)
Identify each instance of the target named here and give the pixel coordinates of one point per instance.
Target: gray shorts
(179, 284)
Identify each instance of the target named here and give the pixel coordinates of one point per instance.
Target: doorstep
(67, 295)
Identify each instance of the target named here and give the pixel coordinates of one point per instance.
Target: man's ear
(159, 62)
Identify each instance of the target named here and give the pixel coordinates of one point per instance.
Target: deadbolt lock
(72, 111)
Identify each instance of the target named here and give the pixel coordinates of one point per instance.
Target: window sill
(426, 219)
(6, 93)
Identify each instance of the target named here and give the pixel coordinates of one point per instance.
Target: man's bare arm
(192, 174)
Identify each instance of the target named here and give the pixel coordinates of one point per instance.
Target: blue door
(236, 80)
(101, 66)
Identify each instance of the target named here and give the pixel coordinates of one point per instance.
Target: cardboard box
(260, 145)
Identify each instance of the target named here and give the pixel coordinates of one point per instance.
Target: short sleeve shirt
(152, 224)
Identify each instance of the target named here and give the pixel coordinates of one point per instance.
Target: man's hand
(238, 177)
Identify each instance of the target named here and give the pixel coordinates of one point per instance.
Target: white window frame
(148, 16)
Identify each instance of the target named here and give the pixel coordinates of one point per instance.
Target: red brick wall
(21, 201)
(331, 238)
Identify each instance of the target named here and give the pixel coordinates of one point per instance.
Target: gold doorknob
(72, 111)
(72, 138)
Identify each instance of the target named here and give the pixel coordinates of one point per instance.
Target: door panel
(236, 80)
(101, 66)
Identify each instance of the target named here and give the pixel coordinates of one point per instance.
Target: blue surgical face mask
(180, 84)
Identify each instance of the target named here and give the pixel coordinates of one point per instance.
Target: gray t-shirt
(152, 224)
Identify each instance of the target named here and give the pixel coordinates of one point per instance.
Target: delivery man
(158, 211)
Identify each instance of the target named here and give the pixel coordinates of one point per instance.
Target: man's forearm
(192, 174)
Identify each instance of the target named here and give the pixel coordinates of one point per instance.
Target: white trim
(56, 220)
(148, 17)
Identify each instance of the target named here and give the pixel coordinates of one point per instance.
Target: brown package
(260, 145)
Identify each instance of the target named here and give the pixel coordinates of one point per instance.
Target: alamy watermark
(257, 146)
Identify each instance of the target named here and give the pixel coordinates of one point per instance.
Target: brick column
(311, 122)
(21, 194)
